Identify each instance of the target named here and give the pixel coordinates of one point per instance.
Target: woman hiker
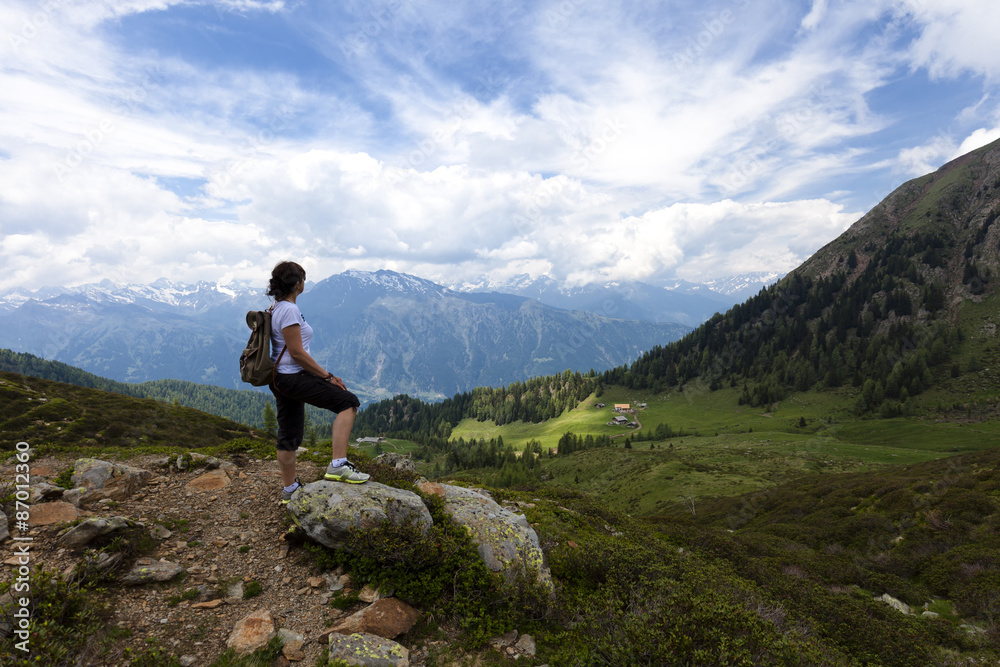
(299, 379)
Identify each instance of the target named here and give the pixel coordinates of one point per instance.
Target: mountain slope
(876, 308)
(384, 332)
(395, 334)
(244, 406)
(44, 412)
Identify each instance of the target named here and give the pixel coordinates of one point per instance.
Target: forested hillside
(876, 308)
(532, 401)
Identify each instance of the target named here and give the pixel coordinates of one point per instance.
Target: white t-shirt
(286, 314)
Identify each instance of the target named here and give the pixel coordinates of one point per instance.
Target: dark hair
(284, 277)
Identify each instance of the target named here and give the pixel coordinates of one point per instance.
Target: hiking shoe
(346, 473)
(287, 495)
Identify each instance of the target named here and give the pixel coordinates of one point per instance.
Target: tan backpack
(256, 366)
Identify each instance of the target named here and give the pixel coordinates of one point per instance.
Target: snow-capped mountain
(685, 304)
(677, 301)
(745, 285)
(384, 332)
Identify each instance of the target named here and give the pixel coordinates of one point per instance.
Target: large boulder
(89, 530)
(47, 514)
(326, 511)
(505, 540)
(102, 479)
(386, 618)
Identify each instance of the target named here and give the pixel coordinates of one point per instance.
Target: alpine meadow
(810, 478)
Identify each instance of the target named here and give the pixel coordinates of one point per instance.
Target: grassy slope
(727, 449)
(57, 415)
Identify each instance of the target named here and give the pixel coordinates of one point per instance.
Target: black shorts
(291, 393)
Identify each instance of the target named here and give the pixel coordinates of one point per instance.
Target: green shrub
(64, 479)
(440, 570)
(64, 616)
(252, 589)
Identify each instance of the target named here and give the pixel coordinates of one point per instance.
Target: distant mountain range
(680, 302)
(384, 332)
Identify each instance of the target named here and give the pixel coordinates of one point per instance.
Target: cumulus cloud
(956, 36)
(583, 141)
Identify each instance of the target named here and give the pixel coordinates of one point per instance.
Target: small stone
(211, 604)
(369, 594)
(157, 571)
(315, 582)
(293, 651)
(251, 632)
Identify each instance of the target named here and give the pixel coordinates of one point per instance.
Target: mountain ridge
(370, 326)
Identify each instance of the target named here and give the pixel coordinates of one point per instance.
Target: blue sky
(470, 142)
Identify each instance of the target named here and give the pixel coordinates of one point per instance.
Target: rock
(154, 571)
(210, 481)
(326, 511)
(73, 496)
(526, 645)
(251, 632)
(160, 531)
(210, 604)
(103, 480)
(42, 491)
(397, 461)
(187, 660)
(505, 539)
(387, 618)
(504, 640)
(368, 650)
(289, 636)
(235, 591)
(47, 514)
(293, 651)
(369, 594)
(316, 582)
(4, 531)
(931, 614)
(894, 603)
(89, 530)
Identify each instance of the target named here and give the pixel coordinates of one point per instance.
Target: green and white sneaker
(346, 473)
(287, 495)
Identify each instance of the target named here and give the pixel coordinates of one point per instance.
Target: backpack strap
(274, 369)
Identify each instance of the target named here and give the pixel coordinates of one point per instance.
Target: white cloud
(978, 139)
(956, 36)
(815, 15)
(576, 140)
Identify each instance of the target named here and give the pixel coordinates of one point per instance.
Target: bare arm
(293, 347)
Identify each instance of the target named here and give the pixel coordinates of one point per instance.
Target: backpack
(256, 366)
